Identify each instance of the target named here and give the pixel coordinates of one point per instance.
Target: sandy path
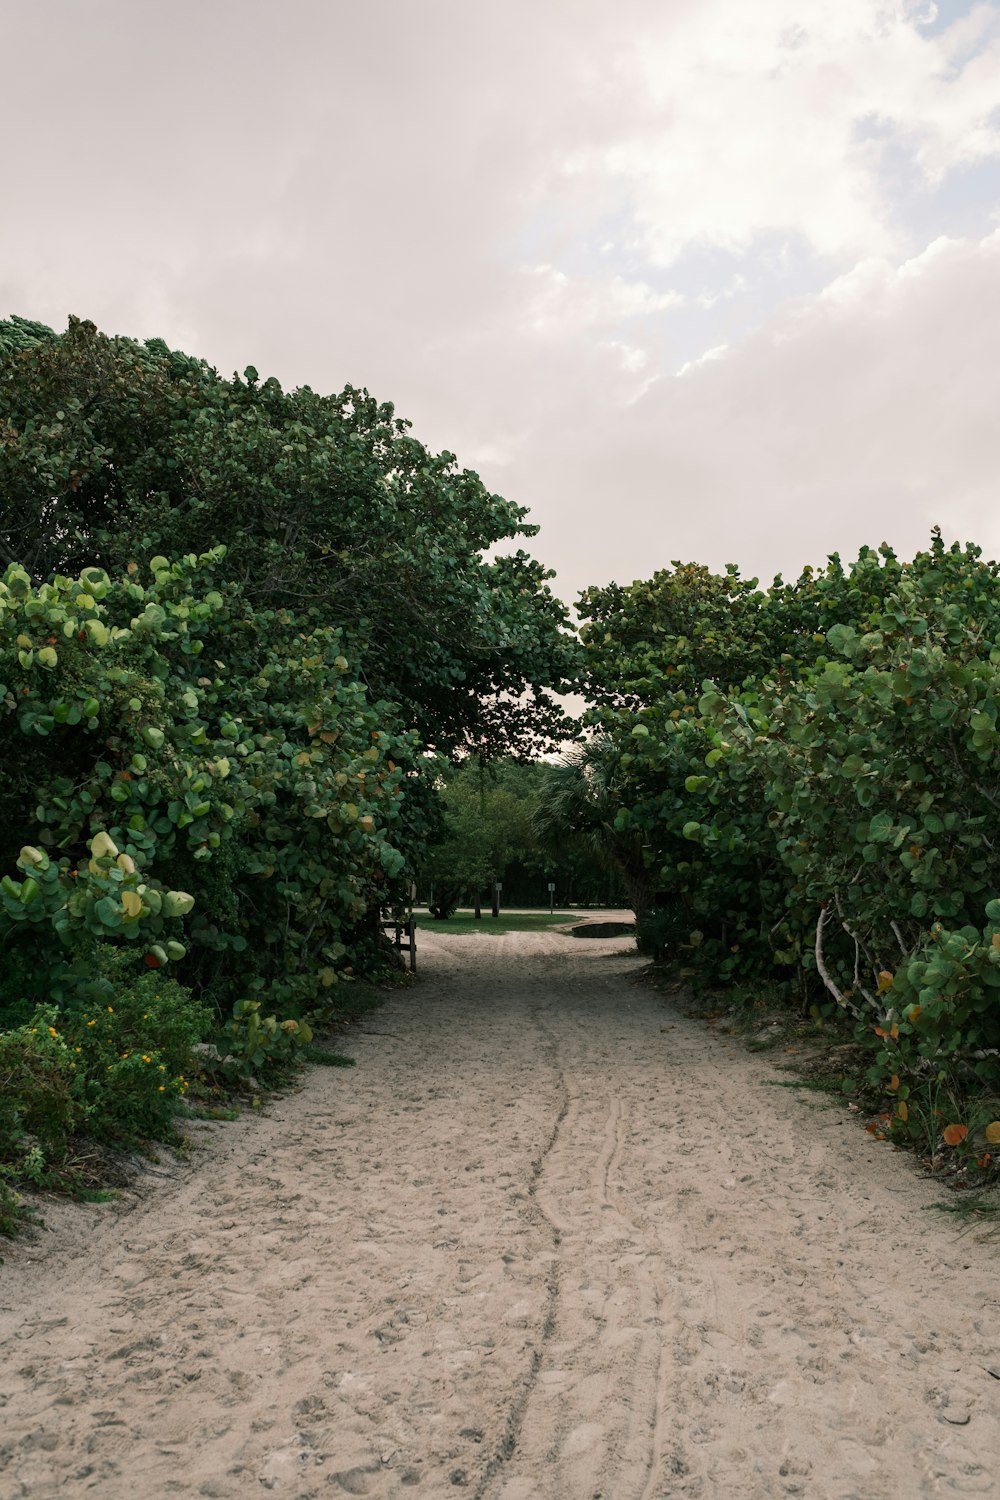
(548, 1241)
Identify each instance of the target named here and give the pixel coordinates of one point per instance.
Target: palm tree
(581, 797)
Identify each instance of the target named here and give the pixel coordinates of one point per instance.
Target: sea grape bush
(202, 779)
(220, 761)
(813, 769)
(194, 786)
(259, 1046)
(114, 451)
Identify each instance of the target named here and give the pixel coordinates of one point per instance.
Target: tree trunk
(641, 892)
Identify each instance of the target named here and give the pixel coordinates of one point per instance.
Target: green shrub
(57, 922)
(13, 1210)
(811, 770)
(38, 1105)
(187, 766)
(134, 1057)
(262, 1047)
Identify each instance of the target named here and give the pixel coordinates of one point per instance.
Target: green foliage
(261, 1047)
(809, 772)
(180, 730)
(112, 452)
(38, 1108)
(325, 1057)
(112, 1072)
(219, 758)
(133, 1058)
(486, 824)
(580, 809)
(14, 1212)
(56, 917)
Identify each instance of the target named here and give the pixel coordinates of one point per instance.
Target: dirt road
(548, 1241)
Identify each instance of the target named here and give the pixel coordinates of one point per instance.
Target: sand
(549, 1240)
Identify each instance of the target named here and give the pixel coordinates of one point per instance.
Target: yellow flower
(162, 1089)
(91, 1023)
(53, 1031)
(110, 1010)
(146, 1057)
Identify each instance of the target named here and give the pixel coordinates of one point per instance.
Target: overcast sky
(715, 280)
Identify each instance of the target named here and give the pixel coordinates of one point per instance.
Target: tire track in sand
(597, 1424)
(519, 1405)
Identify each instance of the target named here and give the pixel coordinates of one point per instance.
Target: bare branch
(822, 969)
(899, 939)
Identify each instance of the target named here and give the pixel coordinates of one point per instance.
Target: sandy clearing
(550, 1240)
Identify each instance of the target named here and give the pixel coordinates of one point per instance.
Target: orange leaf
(893, 1083)
(884, 981)
(954, 1135)
(902, 1110)
(992, 1133)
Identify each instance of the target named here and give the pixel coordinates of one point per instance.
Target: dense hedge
(219, 760)
(813, 773)
(190, 775)
(113, 452)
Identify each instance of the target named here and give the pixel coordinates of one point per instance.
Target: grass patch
(211, 1112)
(325, 1057)
(465, 922)
(15, 1213)
(829, 1084)
(351, 1002)
(968, 1206)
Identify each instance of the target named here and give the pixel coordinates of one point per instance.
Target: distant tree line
(498, 828)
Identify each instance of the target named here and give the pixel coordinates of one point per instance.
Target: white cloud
(718, 351)
(487, 214)
(864, 415)
(746, 118)
(558, 303)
